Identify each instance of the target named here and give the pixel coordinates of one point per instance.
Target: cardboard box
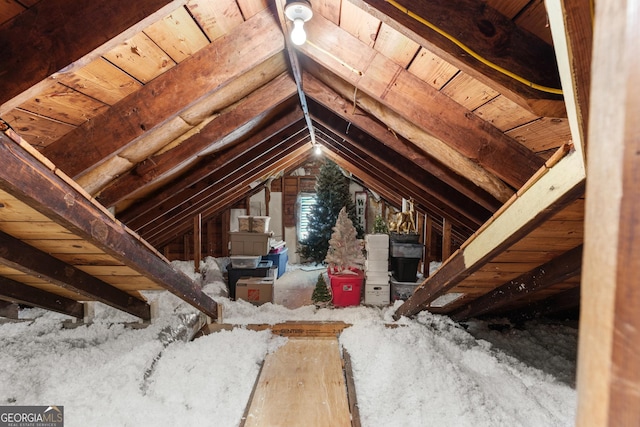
(256, 290)
(376, 294)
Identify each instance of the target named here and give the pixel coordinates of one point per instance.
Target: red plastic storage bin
(346, 288)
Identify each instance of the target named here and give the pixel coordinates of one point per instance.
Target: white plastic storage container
(372, 241)
(244, 261)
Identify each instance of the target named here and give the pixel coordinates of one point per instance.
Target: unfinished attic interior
(135, 133)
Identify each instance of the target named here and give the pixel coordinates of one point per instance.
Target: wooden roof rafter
(33, 180)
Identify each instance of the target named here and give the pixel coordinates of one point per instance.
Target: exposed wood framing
(197, 179)
(209, 139)
(608, 379)
(42, 44)
(390, 84)
(555, 271)
(20, 293)
(355, 118)
(36, 182)
(488, 33)
(255, 42)
(547, 193)
(22, 257)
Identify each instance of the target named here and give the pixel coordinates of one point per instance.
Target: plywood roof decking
(54, 238)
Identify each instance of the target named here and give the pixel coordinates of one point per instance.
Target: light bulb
(298, 36)
(318, 150)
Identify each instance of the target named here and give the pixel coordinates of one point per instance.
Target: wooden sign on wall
(361, 209)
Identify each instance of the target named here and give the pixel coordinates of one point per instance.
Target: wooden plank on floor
(301, 384)
(290, 329)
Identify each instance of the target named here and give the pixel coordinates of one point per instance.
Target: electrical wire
(473, 53)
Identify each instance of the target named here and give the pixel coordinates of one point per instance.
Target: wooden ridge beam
(49, 36)
(488, 33)
(248, 45)
(213, 136)
(189, 184)
(20, 293)
(417, 101)
(553, 272)
(551, 190)
(20, 256)
(234, 183)
(357, 118)
(29, 177)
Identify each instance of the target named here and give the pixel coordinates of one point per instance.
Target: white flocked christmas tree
(345, 250)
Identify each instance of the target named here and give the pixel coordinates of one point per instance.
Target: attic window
(306, 201)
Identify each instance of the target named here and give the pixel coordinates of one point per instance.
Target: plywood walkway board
(301, 384)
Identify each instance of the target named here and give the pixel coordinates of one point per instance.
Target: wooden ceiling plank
(551, 273)
(40, 131)
(360, 119)
(216, 18)
(432, 69)
(489, 34)
(396, 46)
(28, 177)
(359, 24)
(141, 58)
(413, 99)
(65, 105)
(16, 254)
(178, 35)
(255, 105)
(20, 293)
(468, 92)
(101, 80)
(36, 45)
(505, 114)
(249, 45)
(251, 7)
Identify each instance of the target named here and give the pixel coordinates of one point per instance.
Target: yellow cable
(472, 53)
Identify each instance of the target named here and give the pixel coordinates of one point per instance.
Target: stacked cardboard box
(376, 289)
(256, 290)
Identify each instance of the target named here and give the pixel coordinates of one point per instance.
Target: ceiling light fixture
(317, 149)
(298, 12)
